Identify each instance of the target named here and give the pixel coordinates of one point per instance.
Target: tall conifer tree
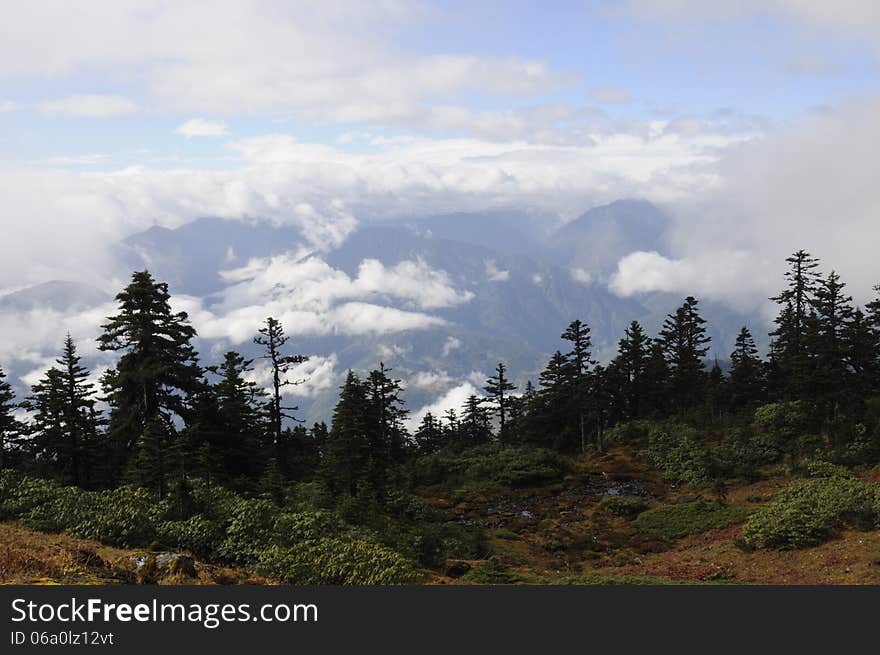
(155, 375)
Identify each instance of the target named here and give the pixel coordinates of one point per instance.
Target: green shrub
(196, 534)
(742, 452)
(674, 521)
(808, 512)
(631, 432)
(127, 516)
(625, 506)
(493, 571)
(675, 449)
(594, 578)
(336, 562)
(815, 468)
(250, 530)
(785, 421)
(491, 467)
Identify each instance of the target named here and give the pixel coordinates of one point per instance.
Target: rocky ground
(562, 534)
(29, 557)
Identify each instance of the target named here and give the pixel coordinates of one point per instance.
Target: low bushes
(808, 512)
(676, 449)
(625, 506)
(303, 547)
(675, 521)
(336, 562)
(491, 467)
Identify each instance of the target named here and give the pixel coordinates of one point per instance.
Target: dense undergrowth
(298, 542)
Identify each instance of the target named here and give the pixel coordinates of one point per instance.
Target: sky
(753, 123)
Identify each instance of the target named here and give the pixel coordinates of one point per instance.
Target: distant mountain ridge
(526, 287)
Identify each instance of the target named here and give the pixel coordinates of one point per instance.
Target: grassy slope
(546, 535)
(29, 557)
(564, 536)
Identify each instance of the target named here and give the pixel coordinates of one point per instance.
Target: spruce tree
(388, 416)
(633, 355)
(549, 423)
(601, 403)
(498, 387)
(685, 344)
(241, 418)
(655, 382)
(429, 435)
(577, 365)
(790, 367)
(155, 375)
(715, 391)
(65, 422)
(862, 344)
(10, 428)
(451, 426)
(474, 426)
(746, 379)
(872, 321)
(826, 341)
(346, 453)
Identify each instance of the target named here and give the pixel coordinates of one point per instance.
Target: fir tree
(429, 436)
(685, 344)
(788, 355)
(655, 382)
(633, 356)
(498, 387)
(388, 417)
(577, 363)
(241, 441)
(156, 372)
(746, 379)
(474, 426)
(826, 341)
(347, 450)
(10, 428)
(65, 422)
(862, 344)
(715, 388)
(549, 411)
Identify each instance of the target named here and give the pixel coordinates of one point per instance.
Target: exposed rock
(167, 563)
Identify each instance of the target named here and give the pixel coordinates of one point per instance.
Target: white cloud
(89, 106)
(333, 62)
(811, 185)
(202, 127)
(581, 275)
(28, 336)
(413, 280)
(387, 351)
(60, 224)
(452, 399)
(435, 381)
(310, 297)
(735, 277)
(313, 376)
(7, 105)
(451, 344)
(494, 273)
